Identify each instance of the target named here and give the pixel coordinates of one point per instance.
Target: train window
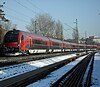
(56, 44)
(44, 43)
(28, 46)
(22, 38)
(11, 37)
(37, 42)
(33, 41)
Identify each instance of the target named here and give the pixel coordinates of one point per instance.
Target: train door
(30, 42)
(22, 43)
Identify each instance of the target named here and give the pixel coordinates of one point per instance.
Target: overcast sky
(67, 11)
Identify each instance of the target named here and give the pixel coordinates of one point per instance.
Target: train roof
(27, 33)
(55, 40)
(14, 31)
(39, 36)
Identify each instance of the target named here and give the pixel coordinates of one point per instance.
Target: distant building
(91, 37)
(97, 39)
(82, 41)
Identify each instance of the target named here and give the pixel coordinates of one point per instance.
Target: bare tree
(43, 24)
(31, 26)
(2, 33)
(8, 25)
(59, 30)
(4, 27)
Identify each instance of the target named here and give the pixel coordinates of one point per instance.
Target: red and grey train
(20, 42)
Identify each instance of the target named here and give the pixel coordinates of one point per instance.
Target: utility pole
(35, 28)
(85, 42)
(76, 34)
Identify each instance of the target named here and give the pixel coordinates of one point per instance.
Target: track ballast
(29, 77)
(75, 77)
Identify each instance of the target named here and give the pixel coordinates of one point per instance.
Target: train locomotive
(19, 42)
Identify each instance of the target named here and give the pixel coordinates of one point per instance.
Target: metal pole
(76, 35)
(86, 42)
(35, 28)
(77, 31)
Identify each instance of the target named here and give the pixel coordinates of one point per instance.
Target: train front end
(11, 43)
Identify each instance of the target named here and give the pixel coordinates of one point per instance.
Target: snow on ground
(14, 70)
(54, 76)
(96, 71)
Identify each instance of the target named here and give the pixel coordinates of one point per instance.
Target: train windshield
(11, 36)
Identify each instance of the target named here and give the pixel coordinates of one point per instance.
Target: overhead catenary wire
(17, 12)
(19, 19)
(35, 6)
(25, 7)
(69, 26)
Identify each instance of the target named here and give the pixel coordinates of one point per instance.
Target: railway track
(78, 76)
(5, 61)
(32, 76)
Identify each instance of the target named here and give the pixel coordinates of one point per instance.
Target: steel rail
(5, 61)
(75, 76)
(30, 77)
(88, 79)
